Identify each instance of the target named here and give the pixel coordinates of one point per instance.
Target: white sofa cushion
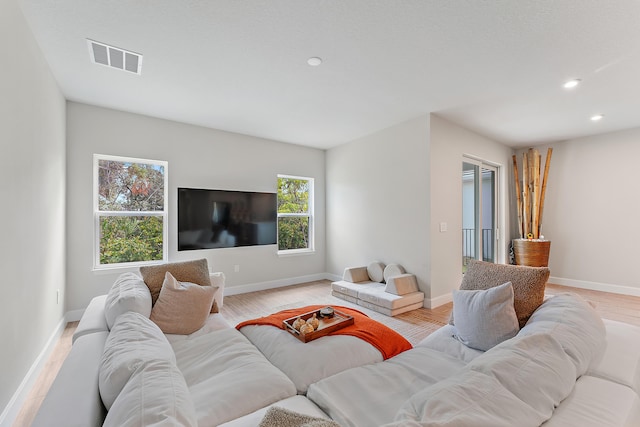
(621, 360)
(93, 319)
(534, 368)
(595, 402)
(134, 341)
(466, 400)
(387, 311)
(485, 318)
(228, 377)
(128, 293)
(73, 400)
(576, 326)
(444, 340)
(378, 296)
(519, 382)
(155, 395)
(345, 297)
(352, 289)
(402, 284)
(381, 387)
(306, 363)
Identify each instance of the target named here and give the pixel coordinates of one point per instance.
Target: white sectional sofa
(385, 289)
(565, 367)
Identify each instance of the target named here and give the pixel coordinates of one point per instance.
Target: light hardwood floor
(413, 326)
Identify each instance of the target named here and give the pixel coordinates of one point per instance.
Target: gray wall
(388, 192)
(449, 144)
(200, 158)
(591, 212)
(32, 190)
(378, 200)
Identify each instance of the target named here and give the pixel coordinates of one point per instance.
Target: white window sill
(123, 268)
(296, 252)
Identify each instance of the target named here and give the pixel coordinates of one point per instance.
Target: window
(295, 213)
(130, 211)
(479, 211)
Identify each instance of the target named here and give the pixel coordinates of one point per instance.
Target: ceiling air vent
(115, 57)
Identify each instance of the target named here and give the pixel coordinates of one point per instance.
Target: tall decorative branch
(531, 204)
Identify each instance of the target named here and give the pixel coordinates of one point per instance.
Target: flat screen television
(209, 219)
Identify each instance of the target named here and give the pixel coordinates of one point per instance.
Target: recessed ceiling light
(571, 83)
(596, 117)
(314, 61)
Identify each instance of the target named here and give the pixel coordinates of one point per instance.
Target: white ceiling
(493, 66)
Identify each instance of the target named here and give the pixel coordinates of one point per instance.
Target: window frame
(309, 214)
(97, 213)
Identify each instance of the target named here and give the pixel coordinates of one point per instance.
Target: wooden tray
(326, 326)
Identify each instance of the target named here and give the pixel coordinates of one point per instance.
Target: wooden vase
(532, 253)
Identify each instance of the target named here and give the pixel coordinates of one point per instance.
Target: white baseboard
(437, 301)
(12, 409)
(595, 286)
(272, 284)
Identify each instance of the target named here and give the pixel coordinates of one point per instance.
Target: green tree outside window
(294, 212)
(131, 210)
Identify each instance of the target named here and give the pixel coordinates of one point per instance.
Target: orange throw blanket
(386, 340)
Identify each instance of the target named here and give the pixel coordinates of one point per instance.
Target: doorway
(479, 211)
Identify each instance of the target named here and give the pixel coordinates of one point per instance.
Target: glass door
(479, 212)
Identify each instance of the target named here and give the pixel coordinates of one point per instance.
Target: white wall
(591, 212)
(198, 157)
(32, 212)
(449, 143)
(378, 200)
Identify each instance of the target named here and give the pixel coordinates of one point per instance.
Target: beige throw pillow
(188, 271)
(528, 284)
(182, 307)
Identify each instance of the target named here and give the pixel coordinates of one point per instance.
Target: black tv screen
(209, 219)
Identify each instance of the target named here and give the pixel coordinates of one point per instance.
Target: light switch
(443, 227)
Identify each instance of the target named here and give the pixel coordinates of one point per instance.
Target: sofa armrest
(93, 319)
(74, 397)
(218, 279)
(355, 274)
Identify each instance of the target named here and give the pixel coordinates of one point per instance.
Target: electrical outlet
(443, 227)
(236, 268)
(58, 296)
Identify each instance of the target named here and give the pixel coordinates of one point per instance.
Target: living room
(381, 195)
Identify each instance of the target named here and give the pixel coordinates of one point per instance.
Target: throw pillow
(375, 271)
(528, 284)
(182, 307)
(188, 271)
(128, 293)
(485, 318)
(392, 270)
